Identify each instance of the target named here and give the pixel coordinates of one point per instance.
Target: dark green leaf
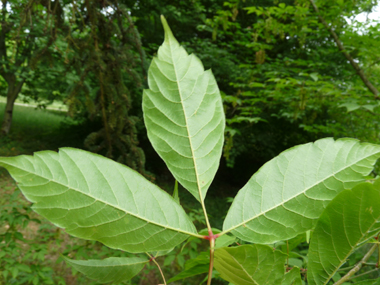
(348, 221)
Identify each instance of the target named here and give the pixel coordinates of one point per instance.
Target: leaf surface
(288, 194)
(250, 264)
(348, 221)
(113, 269)
(293, 277)
(184, 116)
(95, 198)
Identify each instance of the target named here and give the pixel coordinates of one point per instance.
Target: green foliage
(105, 65)
(303, 189)
(289, 82)
(15, 266)
(348, 222)
(75, 53)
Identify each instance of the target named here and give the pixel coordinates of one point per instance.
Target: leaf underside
(348, 221)
(288, 194)
(250, 264)
(95, 198)
(113, 269)
(184, 116)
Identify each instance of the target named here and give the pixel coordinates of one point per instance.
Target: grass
(25, 101)
(32, 130)
(39, 129)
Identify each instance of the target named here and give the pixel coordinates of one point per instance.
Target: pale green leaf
(250, 264)
(184, 117)
(162, 252)
(96, 198)
(293, 277)
(314, 76)
(348, 221)
(288, 194)
(370, 107)
(224, 240)
(113, 269)
(351, 106)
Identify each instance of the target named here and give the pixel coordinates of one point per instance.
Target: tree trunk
(14, 88)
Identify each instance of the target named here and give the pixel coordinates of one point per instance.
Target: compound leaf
(95, 198)
(348, 221)
(250, 264)
(113, 269)
(184, 116)
(288, 194)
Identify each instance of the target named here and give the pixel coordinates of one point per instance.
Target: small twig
(357, 266)
(357, 68)
(365, 273)
(152, 258)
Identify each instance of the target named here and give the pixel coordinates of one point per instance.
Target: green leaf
(293, 277)
(193, 267)
(184, 117)
(95, 198)
(314, 76)
(239, 119)
(250, 264)
(224, 240)
(113, 269)
(351, 106)
(288, 194)
(175, 192)
(348, 221)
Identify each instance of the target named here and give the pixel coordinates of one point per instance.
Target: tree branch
(4, 30)
(357, 68)
(357, 266)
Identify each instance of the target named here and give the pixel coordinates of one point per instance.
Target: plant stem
(152, 258)
(212, 245)
(206, 217)
(357, 266)
(212, 242)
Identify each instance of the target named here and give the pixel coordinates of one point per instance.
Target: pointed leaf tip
(168, 31)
